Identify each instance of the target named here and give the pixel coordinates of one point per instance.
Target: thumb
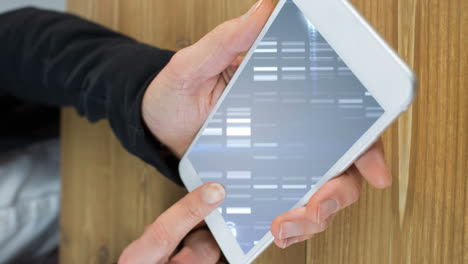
(162, 237)
(212, 54)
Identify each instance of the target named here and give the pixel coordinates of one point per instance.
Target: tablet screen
(294, 111)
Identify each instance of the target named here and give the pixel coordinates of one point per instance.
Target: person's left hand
(302, 223)
(182, 95)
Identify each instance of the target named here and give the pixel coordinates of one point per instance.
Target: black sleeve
(59, 59)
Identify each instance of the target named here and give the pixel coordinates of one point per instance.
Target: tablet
(317, 88)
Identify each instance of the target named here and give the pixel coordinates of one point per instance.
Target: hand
(159, 242)
(180, 98)
(302, 223)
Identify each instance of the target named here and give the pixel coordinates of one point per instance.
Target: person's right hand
(159, 242)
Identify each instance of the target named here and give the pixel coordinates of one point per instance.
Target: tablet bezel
(392, 84)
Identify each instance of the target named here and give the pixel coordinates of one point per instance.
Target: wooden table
(109, 196)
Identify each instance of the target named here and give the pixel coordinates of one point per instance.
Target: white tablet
(317, 88)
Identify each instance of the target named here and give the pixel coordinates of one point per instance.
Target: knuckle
(226, 30)
(221, 28)
(179, 56)
(178, 67)
(159, 236)
(194, 213)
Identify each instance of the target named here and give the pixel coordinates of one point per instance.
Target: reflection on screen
(295, 109)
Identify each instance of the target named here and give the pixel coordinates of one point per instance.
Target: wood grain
(110, 196)
(423, 217)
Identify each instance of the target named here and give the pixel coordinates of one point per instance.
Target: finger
(373, 167)
(219, 88)
(212, 54)
(288, 241)
(328, 200)
(162, 237)
(296, 223)
(237, 62)
(335, 195)
(234, 66)
(230, 71)
(199, 247)
(284, 243)
(226, 77)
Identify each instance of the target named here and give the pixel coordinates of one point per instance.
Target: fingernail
(252, 10)
(290, 241)
(213, 193)
(326, 209)
(281, 243)
(290, 229)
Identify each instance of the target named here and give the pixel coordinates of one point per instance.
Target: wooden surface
(109, 196)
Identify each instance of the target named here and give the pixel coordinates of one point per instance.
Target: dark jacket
(50, 59)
